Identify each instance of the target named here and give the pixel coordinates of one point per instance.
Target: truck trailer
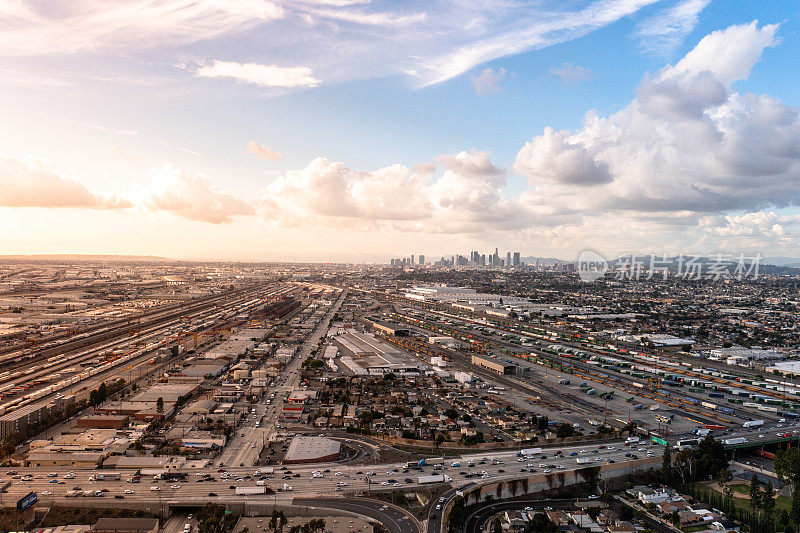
(436, 478)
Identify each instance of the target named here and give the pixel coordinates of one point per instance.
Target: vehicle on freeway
(129, 491)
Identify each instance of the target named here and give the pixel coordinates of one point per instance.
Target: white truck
(734, 441)
(436, 478)
(631, 440)
(583, 460)
(753, 423)
(529, 451)
(250, 490)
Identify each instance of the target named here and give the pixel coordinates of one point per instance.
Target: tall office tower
(421, 259)
(412, 260)
(496, 259)
(508, 259)
(516, 259)
(483, 260)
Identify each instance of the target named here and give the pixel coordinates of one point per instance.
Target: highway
(336, 480)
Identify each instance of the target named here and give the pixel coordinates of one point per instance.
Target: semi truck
(753, 423)
(734, 441)
(436, 478)
(249, 490)
(583, 460)
(529, 451)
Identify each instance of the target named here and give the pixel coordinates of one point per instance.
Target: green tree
(768, 504)
(540, 524)
(160, 404)
(666, 464)
(564, 430)
(755, 495)
(724, 477)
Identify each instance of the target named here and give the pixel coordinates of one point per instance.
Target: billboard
(26, 501)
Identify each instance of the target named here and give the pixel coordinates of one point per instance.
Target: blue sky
(381, 128)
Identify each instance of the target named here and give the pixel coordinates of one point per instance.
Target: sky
(367, 129)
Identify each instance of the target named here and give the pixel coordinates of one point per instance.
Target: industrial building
(495, 365)
(312, 450)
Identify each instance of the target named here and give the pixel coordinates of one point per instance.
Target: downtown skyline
(315, 130)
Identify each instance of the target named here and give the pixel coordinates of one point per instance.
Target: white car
(69, 475)
(175, 487)
(129, 491)
(46, 493)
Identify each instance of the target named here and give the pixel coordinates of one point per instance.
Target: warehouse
(495, 365)
(312, 450)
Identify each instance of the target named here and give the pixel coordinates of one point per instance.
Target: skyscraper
(421, 259)
(508, 259)
(516, 259)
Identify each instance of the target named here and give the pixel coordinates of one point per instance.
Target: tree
(540, 524)
(755, 494)
(277, 521)
(160, 404)
(724, 477)
(564, 430)
(593, 512)
(768, 503)
(542, 423)
(666, 464)
(795, 512)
